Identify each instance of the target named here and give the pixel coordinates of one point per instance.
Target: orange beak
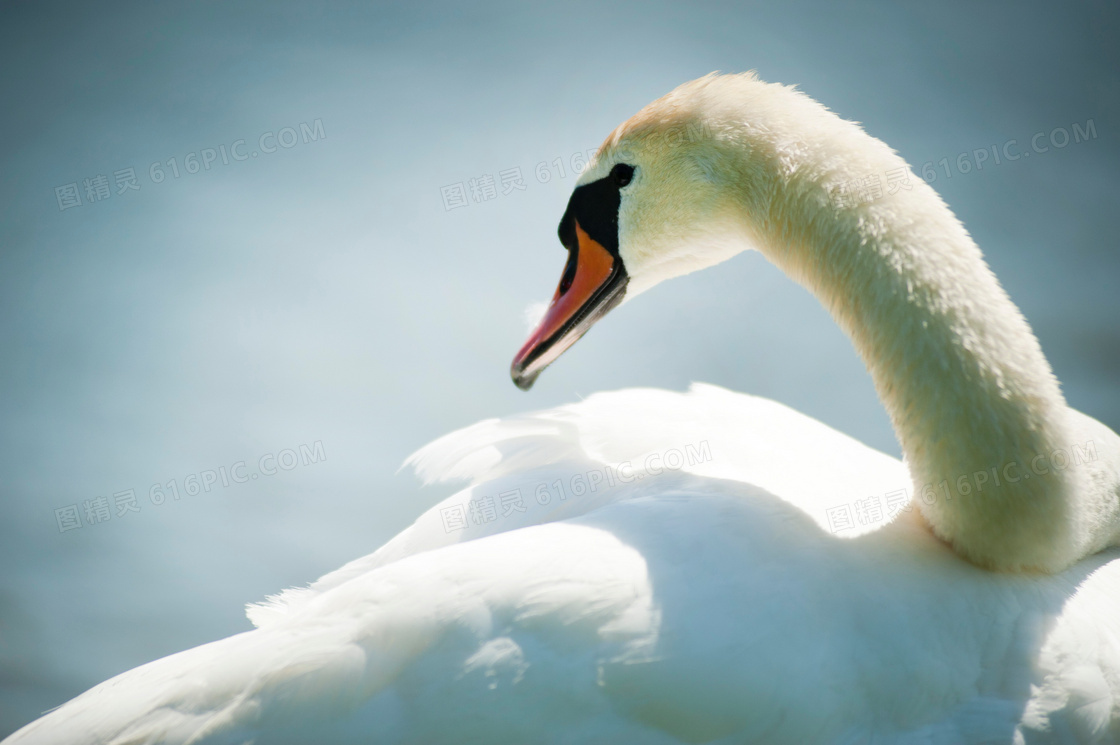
(594, 281)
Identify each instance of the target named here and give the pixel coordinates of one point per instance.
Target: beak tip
(520, 379)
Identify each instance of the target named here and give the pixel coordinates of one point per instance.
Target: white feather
(533, 314)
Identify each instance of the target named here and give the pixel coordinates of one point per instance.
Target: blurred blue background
(324, 292)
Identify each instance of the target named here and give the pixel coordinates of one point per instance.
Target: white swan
(654, 567)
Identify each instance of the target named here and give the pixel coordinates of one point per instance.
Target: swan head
(653, 204)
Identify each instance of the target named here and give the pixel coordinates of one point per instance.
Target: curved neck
(972, 399)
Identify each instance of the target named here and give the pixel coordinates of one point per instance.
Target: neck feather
(980, 416)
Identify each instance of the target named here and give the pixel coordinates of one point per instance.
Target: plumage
(647, 566)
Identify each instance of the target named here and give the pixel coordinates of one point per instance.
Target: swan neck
(972, 399)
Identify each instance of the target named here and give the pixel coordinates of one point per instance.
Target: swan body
(695, 587)
(710, 603)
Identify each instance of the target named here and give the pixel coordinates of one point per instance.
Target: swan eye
(621, 174)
